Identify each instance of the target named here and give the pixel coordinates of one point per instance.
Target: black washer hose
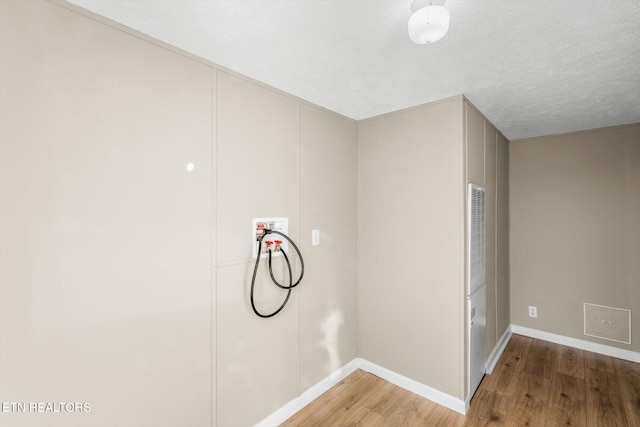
(286, 258)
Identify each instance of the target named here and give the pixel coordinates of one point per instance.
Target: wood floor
(536, 383)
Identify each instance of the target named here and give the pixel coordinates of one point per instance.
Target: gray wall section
(575, 228)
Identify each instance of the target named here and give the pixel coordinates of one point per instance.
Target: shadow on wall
(330, 328)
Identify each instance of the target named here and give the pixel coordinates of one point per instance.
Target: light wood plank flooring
(536, 383)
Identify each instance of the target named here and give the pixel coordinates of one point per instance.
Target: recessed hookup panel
(258, 225)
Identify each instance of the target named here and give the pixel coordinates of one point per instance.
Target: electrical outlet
(533, 311)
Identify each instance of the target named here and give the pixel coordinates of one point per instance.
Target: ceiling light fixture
(429, 22)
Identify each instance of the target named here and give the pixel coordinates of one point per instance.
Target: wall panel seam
(214, 302)
(299, 221)
(357, 233)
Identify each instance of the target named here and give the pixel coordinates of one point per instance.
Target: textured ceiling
(533, 67)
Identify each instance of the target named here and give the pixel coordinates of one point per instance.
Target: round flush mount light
(429, 24)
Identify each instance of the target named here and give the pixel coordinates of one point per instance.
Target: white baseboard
(293, 406)
(492, 361)
(416, 387)
(620, 353)
(424, 390)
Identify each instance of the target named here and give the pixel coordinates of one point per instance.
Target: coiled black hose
(273, 279)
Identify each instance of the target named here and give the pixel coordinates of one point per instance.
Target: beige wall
(411, 247)
(503, 278)
(105, 285)
(412, 169)
(492, 334)
(575, 228)
(474, 132)
(124, 278)
(328, 202)
(279, 157)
